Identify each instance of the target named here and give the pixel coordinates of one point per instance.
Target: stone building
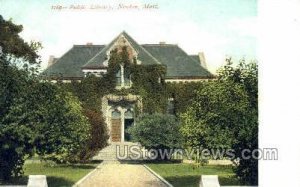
(83, 60)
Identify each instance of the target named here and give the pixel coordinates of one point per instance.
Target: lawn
(57, 175)
(187, 175)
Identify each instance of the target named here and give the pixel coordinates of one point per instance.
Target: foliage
(14, 47)
(34, 116)
(156, 131)
(224, 115)
(16, 140)
(47, 120)
(245, 75)
(63, 129)
(146, 84)
(90, 92)
(98, 133)
(183, 94)
(218, 108)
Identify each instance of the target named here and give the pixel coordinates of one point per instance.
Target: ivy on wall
(147, 82)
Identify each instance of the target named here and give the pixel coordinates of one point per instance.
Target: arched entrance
(119, 115)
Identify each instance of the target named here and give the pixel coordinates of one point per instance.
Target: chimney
(51, 60)
(162, 43)
(89, 43)
(202, 60)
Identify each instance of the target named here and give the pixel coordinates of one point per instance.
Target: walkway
(123, 175)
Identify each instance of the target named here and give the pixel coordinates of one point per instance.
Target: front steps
(121, 152)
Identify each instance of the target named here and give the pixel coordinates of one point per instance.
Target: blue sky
(219, 28)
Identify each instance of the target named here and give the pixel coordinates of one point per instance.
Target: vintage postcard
(129, 93)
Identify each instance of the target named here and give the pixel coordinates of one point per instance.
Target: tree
(46, 120)
(14, 84)
(16, 50)
(57, 117)
(157, 131)
(33, 115)
(224, 115)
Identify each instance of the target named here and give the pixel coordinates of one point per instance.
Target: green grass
(57, 175)
(187, 175)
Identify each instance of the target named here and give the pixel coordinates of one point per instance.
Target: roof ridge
(83, 45)
(142, 48)
(162, 45)
(129, 38)
(104, 48)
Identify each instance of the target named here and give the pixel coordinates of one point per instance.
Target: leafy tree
(14, 84)
(22, 53)
(216, 111)
(156, 131)
(33, 115)
(245, 75)
(57, 116)
(224, 115)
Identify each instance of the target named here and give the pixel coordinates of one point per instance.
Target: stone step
(111, 152)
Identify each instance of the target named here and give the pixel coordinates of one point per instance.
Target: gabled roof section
(69, 65)
(144, 56)
(179, 64)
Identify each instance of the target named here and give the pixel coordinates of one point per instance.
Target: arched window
(127, 81)
(128, 114)
(119, 77)
(116, 114)
(123, 77)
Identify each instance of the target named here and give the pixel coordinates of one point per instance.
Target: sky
(219, 28)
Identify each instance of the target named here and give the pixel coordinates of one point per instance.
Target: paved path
(123, 175)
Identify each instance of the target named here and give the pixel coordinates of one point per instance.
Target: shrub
(99, 135)
(156, 131)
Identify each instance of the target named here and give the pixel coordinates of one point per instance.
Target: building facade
(118, 111)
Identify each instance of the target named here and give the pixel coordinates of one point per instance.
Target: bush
(156, 131)
(99, 135)
(44, 119)
(63, 128)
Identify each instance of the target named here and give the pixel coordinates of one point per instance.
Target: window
(127, 81)
(116, 114)
(128, 114)
(170, 106)
(123, 78)
(119, 78)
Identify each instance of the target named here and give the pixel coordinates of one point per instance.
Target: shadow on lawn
(58, 182)
(51, 180)
(193, 180)
(162, 161)
(79, 166)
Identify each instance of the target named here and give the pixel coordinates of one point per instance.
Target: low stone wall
(213, 181)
